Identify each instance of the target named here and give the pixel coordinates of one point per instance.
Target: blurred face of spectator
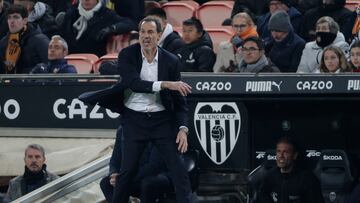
(251, 52)
(56, 50)
(276, 6)
(355, 56)
(162, 21)
(278, 35)
(88, 4)
(285, 157)
(239, 25)
(322, 27)
(331, 61)
(148, 36)
(16, 22)
(190, 34)
(34, 160)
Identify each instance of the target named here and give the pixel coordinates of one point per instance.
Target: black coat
(198, 56)
(89, 42)
(286, 55)
(4, 28)
(173, 43)
(34, 50)
(47, 23)
(58, 6)
(133, 9)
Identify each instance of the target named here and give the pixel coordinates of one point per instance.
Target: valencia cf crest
(217, 126)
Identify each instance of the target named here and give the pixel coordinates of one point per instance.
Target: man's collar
(156, 55)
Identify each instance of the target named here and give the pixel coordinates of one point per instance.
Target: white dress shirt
(147, 102)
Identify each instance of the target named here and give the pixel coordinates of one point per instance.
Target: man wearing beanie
(287, 46)
(278, 5)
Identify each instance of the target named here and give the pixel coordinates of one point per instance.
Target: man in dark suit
(150, 97)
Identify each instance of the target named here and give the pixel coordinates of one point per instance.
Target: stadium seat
(213, 13)
(84, 63)
(107, 57)
(333, 172)
(117, 42)
(256, 177)
(351, 5)
(178, 11)
(219, 35)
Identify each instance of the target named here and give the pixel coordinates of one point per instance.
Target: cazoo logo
(213, 86)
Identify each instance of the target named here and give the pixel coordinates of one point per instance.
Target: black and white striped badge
(217, 126)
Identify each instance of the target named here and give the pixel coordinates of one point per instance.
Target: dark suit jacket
(129, 66)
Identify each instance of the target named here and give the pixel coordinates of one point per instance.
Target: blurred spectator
(327, 33)
(198, 54)
(274, 6)
(288, 182)
(228, 58)
(170, 40)
(35, 175)
(24, 46)
(287, 45)
(133, 9)
(3, 20)
(256, 7)
(58, 6)
(253, 57)
(333, 61)
(333, 8)
(57, 50)
(305, 5)
(355, 56)
(356, 28)
(40, 15)
(87, 27)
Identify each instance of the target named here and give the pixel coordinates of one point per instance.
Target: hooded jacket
(198, 56)
(311, 55)
(34, 50)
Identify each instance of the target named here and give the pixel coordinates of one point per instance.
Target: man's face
(16, 22)
(285, 157)
(190, 34)
(278, 35)
(250, 52)
(323, 27)
(88, 4)
(34, 160)
(148, 36)
(277, 6)
(239, 25)
(56, 50)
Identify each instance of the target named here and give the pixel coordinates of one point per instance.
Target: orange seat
(107, 57)
(117, 42)
(213, 13)
(351, 5)
(178, 11)
(218, 35)
(84, 63)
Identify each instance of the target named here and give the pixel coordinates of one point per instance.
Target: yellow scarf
(13, 51)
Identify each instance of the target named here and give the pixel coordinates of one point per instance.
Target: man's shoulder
(51, 176)
(16, 180)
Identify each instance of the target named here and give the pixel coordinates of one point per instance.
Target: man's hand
(181, 139)
(113, 179)
(179, 86)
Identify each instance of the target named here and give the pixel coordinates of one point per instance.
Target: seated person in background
(274, 6)
(40, 15)
(198, 54)
(35, 175)
(24, 46)
(57, 50)
(355, 56)
(169, 40)
(333, 61)
(327, 33)
(228, 58)
(87, 27)
(253, 57)
(3, 19)
(287, 46)
(288, 182)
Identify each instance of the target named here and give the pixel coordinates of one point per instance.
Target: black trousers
(138, 130)
(153, 187)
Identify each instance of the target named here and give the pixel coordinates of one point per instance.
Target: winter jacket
(34, 50)
(311, 55)
(286, 54)
(90, 42)
(224, 57)
(133, 9)
(261, 66)
(343, 16)
(47, 23)
(198, 56)
(263, 21)
(54, 66)
(298, 186)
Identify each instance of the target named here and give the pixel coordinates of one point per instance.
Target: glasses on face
(239, 26)
(249, 49)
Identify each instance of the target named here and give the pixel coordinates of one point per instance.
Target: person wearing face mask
(332, 8)
(327, 33)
